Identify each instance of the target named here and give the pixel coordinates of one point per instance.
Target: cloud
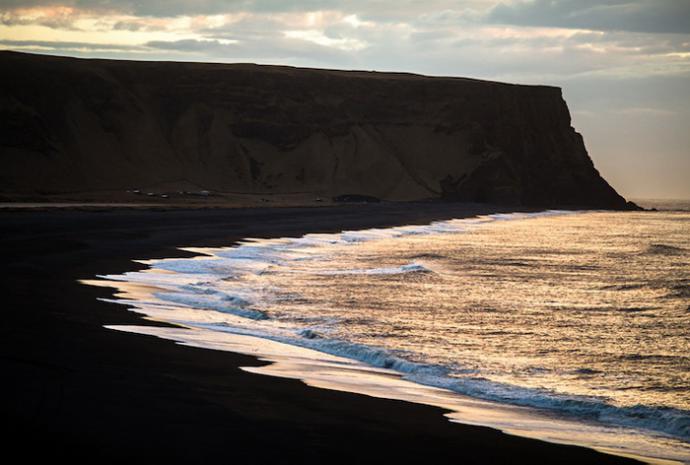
(44, 45)
(59, 17)
(279, 50)
(380, 10)
(646, 112)
(654, 16)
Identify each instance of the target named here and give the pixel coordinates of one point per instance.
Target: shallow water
(583, 315)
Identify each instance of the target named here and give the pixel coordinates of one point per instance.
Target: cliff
(74, 125)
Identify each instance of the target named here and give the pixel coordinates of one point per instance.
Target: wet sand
(73, 389)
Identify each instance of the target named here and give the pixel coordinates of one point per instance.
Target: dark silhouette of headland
(106, 129)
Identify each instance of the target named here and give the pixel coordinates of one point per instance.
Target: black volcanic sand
(74, 390)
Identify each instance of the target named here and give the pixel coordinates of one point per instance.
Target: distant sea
(582, 316)
(664, 204)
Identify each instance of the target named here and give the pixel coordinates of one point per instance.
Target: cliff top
(257, 68)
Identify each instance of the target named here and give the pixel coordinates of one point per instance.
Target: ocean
(570, 326)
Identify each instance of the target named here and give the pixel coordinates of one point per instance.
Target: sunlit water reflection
(584, 315)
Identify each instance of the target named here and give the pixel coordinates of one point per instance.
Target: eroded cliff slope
(72, 125)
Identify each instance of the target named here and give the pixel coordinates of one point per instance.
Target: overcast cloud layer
(624, 65)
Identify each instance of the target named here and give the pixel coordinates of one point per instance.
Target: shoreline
(100, 393)
(350, 366)
(332, 372)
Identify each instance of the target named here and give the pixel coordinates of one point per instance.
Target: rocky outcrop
(87, 125)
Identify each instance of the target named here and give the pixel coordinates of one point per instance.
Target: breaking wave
(665, 420)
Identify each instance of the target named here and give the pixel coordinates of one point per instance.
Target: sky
(623, 65)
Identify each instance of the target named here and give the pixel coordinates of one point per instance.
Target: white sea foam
(654, 419)
(212, 302)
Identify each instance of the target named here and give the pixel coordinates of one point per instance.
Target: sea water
(581, 317)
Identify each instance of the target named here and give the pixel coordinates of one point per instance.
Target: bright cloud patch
(318, 37)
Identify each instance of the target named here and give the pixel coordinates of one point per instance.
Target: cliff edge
(75, 125)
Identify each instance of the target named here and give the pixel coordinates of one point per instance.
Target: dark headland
(93, 129)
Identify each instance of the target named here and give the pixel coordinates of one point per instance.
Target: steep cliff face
(87, 125)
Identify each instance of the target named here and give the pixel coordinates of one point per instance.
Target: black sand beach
(74, 390)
